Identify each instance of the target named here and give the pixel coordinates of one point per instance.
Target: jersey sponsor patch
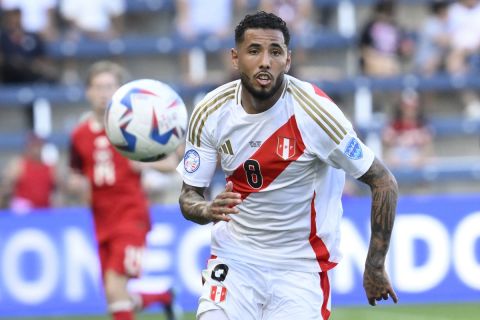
(353, 150)
(218, 293)
(191, 161)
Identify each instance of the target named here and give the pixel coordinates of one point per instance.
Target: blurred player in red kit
(28, 181)
(118, 202)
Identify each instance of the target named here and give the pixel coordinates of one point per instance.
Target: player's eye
(276, 53)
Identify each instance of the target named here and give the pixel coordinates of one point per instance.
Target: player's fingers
(392, 294)
(221, 217)
(228, 192)
(227, 202)
(226, 195)
(220, 213)
(224, 209)
(229, 186)
(371, 301)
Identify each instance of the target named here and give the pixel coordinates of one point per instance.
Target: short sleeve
(352, 155)
(330, 136)
(199, 162)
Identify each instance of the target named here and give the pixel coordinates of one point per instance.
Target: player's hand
(224, 204)
(377, 285)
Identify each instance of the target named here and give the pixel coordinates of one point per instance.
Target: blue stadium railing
(167, 44)
(17, 95)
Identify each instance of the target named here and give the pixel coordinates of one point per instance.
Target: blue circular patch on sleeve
(191, 161)
(353, 150)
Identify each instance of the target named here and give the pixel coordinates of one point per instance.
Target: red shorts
(122, 253)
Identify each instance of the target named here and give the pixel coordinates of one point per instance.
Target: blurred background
(405, 72)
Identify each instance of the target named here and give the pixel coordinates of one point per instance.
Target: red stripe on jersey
(320, 92)
(320, 249)
(325, 285)
(265, 165)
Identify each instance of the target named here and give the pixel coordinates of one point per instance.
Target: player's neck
(97, 120)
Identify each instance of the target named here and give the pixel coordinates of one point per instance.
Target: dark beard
(259, 94)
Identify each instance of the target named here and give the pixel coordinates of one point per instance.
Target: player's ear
(234, 55)
(289, 61)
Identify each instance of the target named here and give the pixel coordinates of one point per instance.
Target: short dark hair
(261, 20)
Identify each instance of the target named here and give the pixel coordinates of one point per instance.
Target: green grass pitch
(469, 311)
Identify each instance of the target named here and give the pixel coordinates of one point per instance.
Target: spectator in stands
(29, 182)
(464, 29)
(22, 54)
(38, 17)
(194, 23)
(383, 42)
(298, 16)
(23, 58)
(408, 140)
(89, 20)
(119, 205)
(433, 40)
(99, 19)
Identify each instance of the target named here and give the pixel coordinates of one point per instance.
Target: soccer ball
(145, 120)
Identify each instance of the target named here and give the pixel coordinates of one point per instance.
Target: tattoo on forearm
(384, 201)
(192, 204)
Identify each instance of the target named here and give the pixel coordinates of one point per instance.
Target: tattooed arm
(194, 207)
(384, 202)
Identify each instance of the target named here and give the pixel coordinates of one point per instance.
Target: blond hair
(106, 66)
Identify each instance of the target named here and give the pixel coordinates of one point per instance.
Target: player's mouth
(263, 78)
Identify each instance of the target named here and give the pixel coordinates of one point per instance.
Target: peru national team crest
(218, 293)
(286, 147)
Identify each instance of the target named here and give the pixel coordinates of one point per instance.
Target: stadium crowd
(385, 43)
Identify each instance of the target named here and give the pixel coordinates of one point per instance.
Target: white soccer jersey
(289, 165)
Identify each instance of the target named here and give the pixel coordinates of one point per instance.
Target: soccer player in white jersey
(284, 147)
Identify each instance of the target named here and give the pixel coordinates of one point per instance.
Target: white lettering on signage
(81, 264)
(464, 260)
(30, 291)
(156, 260)
(407, 276)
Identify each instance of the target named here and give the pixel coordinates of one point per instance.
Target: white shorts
(249, 292)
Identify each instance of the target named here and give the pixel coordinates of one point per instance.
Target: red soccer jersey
(35, 183)
(119, 203)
